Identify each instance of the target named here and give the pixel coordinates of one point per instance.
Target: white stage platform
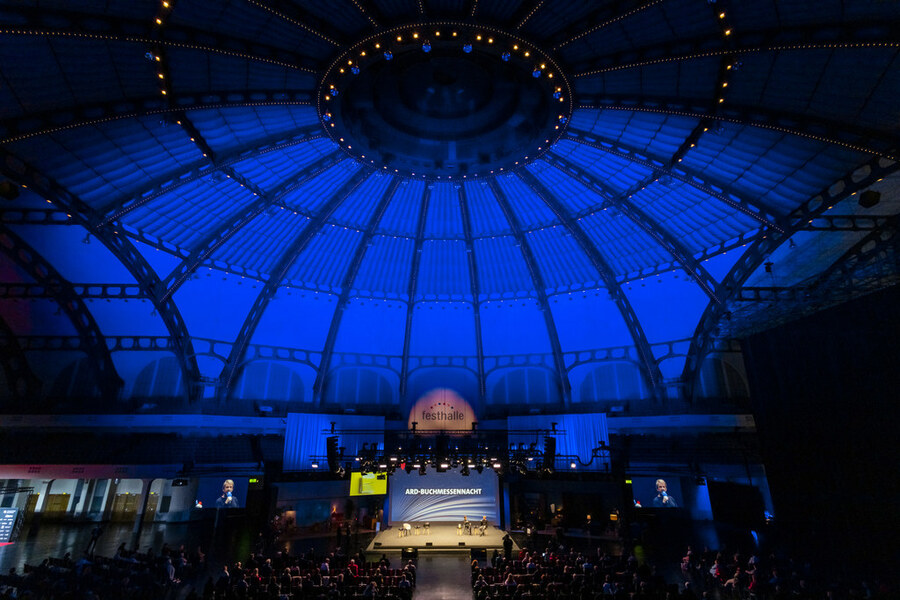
(442, 537)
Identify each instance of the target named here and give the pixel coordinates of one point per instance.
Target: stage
(442, 537)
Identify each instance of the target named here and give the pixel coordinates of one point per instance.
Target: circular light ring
(509, 50)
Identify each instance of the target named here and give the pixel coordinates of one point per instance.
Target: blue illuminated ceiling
(188, 216)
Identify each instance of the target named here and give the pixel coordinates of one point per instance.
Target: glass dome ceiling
(186, 217)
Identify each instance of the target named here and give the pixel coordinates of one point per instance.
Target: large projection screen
(443, 497)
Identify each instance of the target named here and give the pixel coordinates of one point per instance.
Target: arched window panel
(295, 318)
(444, 219)
(723, 378)
(126, 317)
(372, 327)
(656, 134)
(325, 260)
(485, 214)
(254, 23)
(568, 191)
(446, 383)
(560, 260)
(78, 262)
(668, 305)
(355, 386)
(259, 245)
(672, 368)
(589, 320)
(74, 387)
(443, 271)
(777, 169)
(609, 384)
(627, 248)
(238, 128)
(48, 58)
(277, 384)
(36, 316)
(502, 271)
(385, 267)
(402, 214)
(698, 221)
(513, 327)
(153, 380)
(273, 169)
(529, 209)
(356, 210)
(310, 196)
(617, 173)
(215, 305)
(719, 265)
(812, 253)
(523, 387)
(443, 329)
(110, 160)
(184, 216)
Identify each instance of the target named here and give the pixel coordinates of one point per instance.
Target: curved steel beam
(411, 291)
(44, 273)
(706, 332)
(20, 379)
(604, 16)
(473, 283)
(861, 252)
(651, 372)
(31, 125)
(647, 224)
(170, 182)
(299, 19)
(540, 287)
(373, 20)
(346, 283)
(843, 35)
(805, 126)
(221, 234)
(753, 209)
(123, 250)
(239, 348)
(72, 25)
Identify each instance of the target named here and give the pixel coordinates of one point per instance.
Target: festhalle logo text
(443, 492)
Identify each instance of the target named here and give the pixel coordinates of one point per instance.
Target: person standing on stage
(227, 499)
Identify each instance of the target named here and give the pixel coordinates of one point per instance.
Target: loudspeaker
(462, 544)
(9, 190)
(377, 544)
(410, 554)
(334, 459)
(428, 544)
(549, 452)
(869, 198)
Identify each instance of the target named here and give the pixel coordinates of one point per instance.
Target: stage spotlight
(355, 70)
(505, 56)
(498, 465)
(388, 55)
(536, 73)
(426, 47)
(315, 465)
(467, 48)
(572, 465)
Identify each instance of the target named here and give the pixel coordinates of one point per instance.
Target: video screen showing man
(227, 499)
(662, 498)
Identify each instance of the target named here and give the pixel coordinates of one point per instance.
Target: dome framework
(187, 221)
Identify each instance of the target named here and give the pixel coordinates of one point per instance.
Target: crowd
(125, 576)
(561, 574)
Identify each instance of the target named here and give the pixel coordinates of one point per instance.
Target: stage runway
(442, 537)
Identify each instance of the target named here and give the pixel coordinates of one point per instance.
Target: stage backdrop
(443, 497)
